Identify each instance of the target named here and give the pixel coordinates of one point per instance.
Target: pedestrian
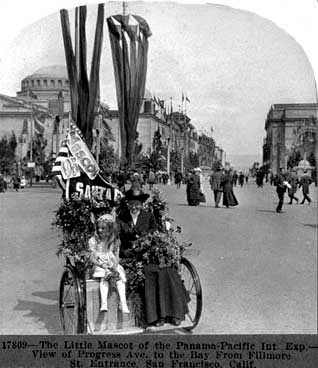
(259, 177)
(229, 198)
(241, 179)
(234, 178)
(293, 182)
(165, 178)
(193, 189)
(305, 182)
(151, 179)
(216, 185)
(246, 178)
(16, 183)
(280, 183)
(178, 179)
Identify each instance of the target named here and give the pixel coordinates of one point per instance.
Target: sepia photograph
(158, 168)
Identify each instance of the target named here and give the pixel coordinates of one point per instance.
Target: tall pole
(168, 160)
(98, 138)
(77, 40)
(31, 149)
(67, 186)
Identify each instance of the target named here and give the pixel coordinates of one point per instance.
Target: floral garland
(162, 248)
(76, 221)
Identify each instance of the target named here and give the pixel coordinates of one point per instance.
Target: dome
(53, 71)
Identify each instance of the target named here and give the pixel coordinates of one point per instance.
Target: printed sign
(82, 154)
(99, 188)
(69, 168)
(31, 164)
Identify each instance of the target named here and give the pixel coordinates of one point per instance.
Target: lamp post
(168, 160)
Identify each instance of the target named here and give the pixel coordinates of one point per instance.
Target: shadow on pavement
(42, 313)
(266, 211)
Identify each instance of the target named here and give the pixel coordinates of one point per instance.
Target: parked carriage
(79, 303)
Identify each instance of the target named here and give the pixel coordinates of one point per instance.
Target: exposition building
(42, 107)
(291, 133)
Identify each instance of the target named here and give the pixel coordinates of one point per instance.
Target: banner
(69, 168)
(82, 154)
(84, 188)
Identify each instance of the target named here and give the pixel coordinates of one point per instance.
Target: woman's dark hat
(136, 195)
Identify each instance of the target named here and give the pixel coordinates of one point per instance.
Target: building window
(52, 83)
(45, 82)
(38, 82)
(59, 83)
(32, 83)
(66, 82)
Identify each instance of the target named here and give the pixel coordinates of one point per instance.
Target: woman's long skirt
(165, 294)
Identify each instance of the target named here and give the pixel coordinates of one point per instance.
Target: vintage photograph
(158, 168)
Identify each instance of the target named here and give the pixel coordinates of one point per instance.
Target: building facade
(290, 130)
(42, 106)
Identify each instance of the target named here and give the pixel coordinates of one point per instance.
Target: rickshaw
(73, 299)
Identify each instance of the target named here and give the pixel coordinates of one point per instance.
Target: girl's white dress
(107, 256)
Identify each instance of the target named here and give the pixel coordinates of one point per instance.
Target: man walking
(305, 181)
(216, 185)
(280, 189)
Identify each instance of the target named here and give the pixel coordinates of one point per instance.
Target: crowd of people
(290, 182)
(221, 182)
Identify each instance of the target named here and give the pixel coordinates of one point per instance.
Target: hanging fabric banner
(129, 43)
(82, 154)
(99, 188)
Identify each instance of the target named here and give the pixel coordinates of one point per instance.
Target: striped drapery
(129, 44)
(84, 92)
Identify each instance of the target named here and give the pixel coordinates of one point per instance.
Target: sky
(233, 60)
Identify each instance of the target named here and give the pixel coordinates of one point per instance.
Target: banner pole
(67, 186)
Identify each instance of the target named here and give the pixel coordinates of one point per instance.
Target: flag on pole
(182, 97)
(38, 126)
(187, 99)
(56, 170)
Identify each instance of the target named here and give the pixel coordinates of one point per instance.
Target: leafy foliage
(74, 219)
(162, 248)
(7, 153)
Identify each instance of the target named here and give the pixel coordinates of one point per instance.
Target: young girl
(104, 247)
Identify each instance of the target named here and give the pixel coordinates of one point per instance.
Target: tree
(7, 153)
(175, 160)
(108, 159)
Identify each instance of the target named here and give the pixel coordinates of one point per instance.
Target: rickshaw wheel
(71, 303)
(192, 284)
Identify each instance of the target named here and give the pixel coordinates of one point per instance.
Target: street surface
(258, 269)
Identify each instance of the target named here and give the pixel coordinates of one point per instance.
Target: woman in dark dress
(164, 295)
(229, 198)
(193, 189)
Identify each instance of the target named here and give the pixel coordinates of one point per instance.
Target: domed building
(49, 86)
(44, 95)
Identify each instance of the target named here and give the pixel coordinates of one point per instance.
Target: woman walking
(229, 198)
(293, 181)
(193, 189)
